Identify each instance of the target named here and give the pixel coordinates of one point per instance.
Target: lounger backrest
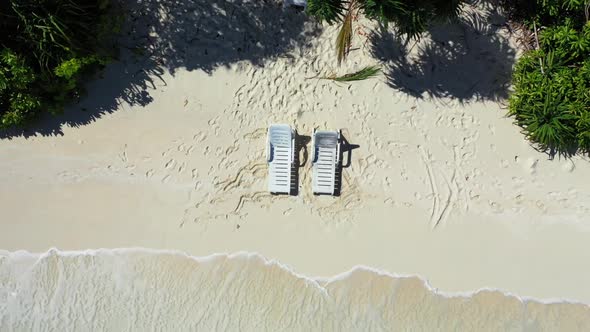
(326, 151)
(280, 157)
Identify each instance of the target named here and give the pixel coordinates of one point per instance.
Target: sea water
(145, 290)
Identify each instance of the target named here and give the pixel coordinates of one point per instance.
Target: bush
(410, 17)
(551, 99)
(47, 48)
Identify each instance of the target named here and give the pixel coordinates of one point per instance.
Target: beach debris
(363, 74)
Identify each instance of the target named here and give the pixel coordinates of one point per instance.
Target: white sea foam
(144, 289)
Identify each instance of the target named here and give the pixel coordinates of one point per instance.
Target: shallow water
(136, 289)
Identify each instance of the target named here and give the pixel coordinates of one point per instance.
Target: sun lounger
(325, 160)
(280, 150)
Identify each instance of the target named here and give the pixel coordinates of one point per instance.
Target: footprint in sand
(492, 129)
(389, 201)
(198, 185)
(189, 150)
(170, 164)
(199, 137)
(181, 167)
(387, 181)
(403, 175)
(531, 165)
(496, 207)
(541, 206)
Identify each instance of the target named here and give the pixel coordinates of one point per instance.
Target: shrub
(17, 89)
(410, 17)
(47, 47)
(551, 99)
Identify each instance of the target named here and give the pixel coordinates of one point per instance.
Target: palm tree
(411, 17)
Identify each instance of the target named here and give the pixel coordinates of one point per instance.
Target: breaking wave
(141, 289)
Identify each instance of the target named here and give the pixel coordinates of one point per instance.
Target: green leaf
(331, 11)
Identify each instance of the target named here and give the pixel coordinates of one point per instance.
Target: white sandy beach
(442, 185)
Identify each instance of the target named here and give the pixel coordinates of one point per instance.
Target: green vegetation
(411, 18)
(551, 99)
(363, 74)
(47, 47)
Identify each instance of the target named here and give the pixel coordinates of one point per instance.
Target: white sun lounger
(280, 150)
(325, 160)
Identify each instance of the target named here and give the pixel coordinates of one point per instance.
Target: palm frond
(384, 11)
(344, 39)
(448, 9)
(330, 11)
(363, 74)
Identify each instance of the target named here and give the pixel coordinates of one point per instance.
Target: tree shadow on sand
(165, 35)
(464, 60)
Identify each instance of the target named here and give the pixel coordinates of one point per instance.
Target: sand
(167, 152)
(146, 290)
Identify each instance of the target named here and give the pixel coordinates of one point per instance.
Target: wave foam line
(314, 281)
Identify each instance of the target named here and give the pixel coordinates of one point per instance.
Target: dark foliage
(46, 48)
(551, 99)
(411, 18)
(331, 11)
(161, 36)
(465, 60)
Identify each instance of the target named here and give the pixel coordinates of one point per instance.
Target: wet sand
(167, 152)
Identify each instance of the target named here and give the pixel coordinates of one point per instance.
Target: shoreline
(107, 186)
(442, 186)
(186, 291)
(459, 270)
(314, 280)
